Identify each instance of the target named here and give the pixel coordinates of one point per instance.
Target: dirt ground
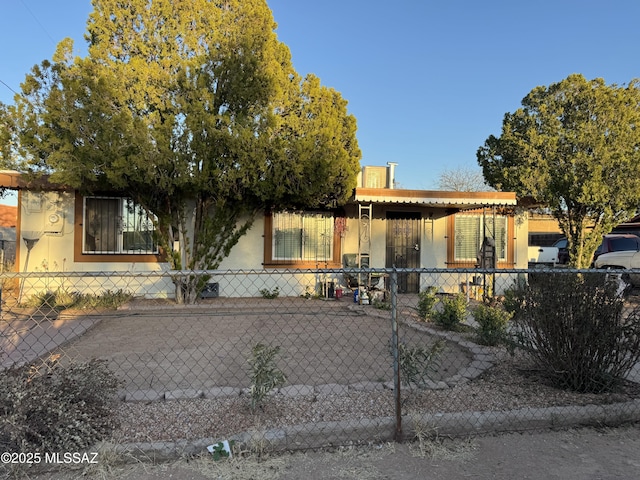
(207, 346)
(584, 454)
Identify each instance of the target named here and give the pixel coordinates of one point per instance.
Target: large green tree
(8, 140)
(193, 109)
(8, 137)
(573, 147)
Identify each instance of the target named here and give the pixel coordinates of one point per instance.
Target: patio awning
(435, 198)
(14, 180)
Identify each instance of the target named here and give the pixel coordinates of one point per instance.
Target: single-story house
(59, 230)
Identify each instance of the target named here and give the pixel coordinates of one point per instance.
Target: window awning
(434, 198)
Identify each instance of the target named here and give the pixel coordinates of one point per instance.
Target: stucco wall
(54, 249)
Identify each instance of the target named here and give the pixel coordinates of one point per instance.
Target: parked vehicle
(622, 260)
(542, 256)
(617, 242)
(563, 250)
(613, 242)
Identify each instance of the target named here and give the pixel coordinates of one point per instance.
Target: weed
(270, 294)
(220, 450)
(429, 444)
(381, 305)
(107, 299)
(265, 374)
(62, 299)
(418, 362)
(308, 293)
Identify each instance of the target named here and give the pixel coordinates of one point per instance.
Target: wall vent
(211, 290)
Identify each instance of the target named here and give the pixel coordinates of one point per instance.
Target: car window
(562, 243)
(618, 244)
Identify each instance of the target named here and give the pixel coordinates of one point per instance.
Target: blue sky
(428, 81)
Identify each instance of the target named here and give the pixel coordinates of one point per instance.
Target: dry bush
(56, 408)
(573, 326)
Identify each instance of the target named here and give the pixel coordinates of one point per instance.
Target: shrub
(573, 327)
(107, 299)
(426, 301)
(56, 408)
(492, 324)
(270, 294)
(513, 298)
(41, 299)
(265, 374)
(381, 305)
(61, 299)
(454, 311)
(417, 362)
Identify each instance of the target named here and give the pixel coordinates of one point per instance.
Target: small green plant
(453, 314)
(265, 374)
(381, 305)
(270, 294)
(309, 293)
(426, 301)
(492, 324)
(418, 362)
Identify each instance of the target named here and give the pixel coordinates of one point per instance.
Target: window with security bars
(117, 226)
(470, 230)
(302, 236)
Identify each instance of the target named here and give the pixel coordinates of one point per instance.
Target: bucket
(338, 293)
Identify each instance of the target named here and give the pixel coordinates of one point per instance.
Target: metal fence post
(394, 348)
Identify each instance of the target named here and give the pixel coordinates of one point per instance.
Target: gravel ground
(325, 339)
(506, 386)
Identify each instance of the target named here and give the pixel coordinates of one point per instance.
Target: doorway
(403, 248)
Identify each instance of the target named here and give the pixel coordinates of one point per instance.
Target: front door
(403, 248)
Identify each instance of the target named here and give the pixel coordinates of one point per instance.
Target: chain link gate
(351, 371)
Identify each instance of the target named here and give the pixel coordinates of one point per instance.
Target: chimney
(391, 175)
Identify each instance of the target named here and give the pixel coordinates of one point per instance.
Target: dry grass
(427, 443)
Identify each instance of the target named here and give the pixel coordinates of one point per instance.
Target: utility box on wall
(211, 290)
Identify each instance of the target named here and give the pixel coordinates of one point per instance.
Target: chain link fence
(298, 359)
